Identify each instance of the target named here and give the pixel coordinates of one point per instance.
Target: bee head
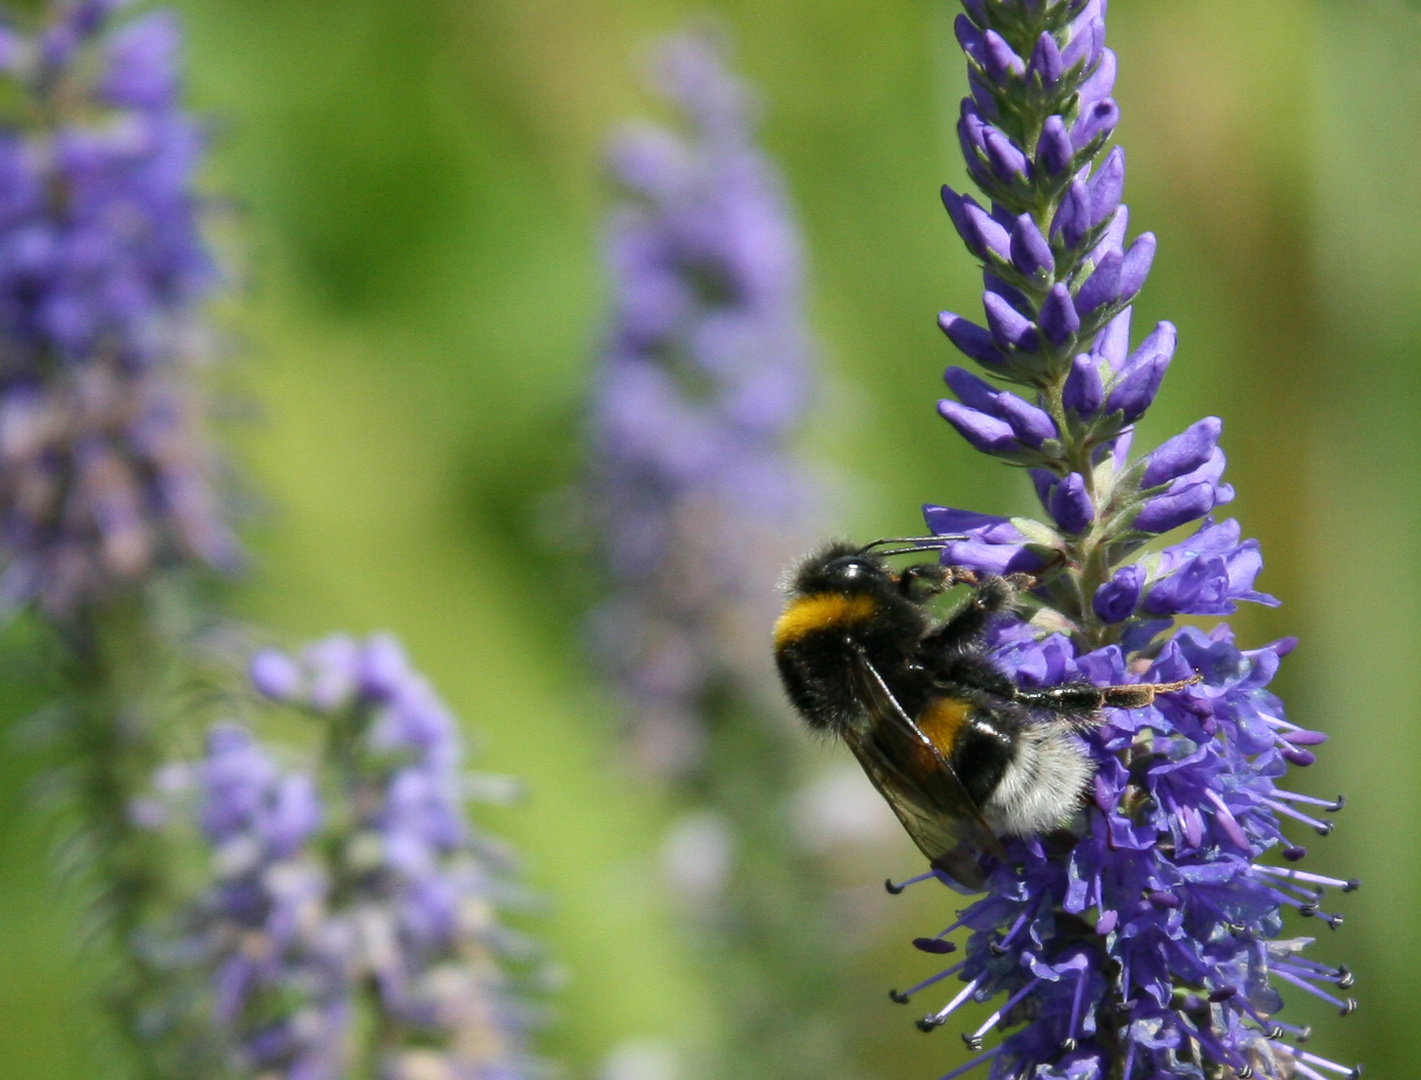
(841, 568)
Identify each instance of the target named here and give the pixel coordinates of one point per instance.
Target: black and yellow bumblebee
(962, 754)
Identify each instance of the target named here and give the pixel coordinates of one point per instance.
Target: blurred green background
(418, 193)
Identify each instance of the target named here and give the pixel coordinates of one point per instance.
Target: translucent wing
(917, 782)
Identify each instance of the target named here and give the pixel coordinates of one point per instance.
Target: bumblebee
(962, 754)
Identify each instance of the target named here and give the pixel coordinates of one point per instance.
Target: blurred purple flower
(1142, 939)
(704, 377)
(105, 473)
(377, 895)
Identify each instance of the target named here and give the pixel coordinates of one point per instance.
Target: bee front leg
(991, 594)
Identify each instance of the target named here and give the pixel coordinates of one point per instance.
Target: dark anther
(996, 949)
(1353, 884)
(1276, 1032)
(1304, 1035)
(933, 945)
(1345, 979)
(1307, 911)
(1068, 1045)
(893, 890)
(929, 1023)
(901, 999)
(1338, 805)
(1349, 1008)
(974, 1042)
(1356, 1072)
(1295, 853)
(1245, 1072)
(1324, 828)
(1237, 928)
(1334, 921)
(1223, 994)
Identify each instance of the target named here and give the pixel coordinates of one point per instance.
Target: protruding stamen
(1303, 984)
(902, 998)
(1330, 805)
(1312, 879)
(1323, 828)
(1330, 1066)
(993, 1052)
(976, 1036)
(938, 1018)
(1345, 979)
(1076, 1007)
(900, 886)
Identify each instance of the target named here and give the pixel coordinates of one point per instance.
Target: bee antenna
(916, 543)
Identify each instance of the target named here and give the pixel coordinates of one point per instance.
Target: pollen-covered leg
(1084, 698)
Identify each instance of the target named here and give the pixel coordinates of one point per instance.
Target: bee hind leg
(1080, 701)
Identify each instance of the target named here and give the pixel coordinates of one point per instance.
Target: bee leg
(1138, 695)
(968, 670)
(1084, 699)
(991, 594)
(923, 580)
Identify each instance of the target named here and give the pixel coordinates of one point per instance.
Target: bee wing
(934, 807)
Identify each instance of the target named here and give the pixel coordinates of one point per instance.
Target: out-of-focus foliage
(417, 187)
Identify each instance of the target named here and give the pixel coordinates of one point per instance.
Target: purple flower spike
(1138, 936)
(297, 941)
(106, 474)
(704, 378)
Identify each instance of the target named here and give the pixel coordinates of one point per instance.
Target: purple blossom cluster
(1144, 940)
(703, 378)
(358, 898)
(105, 473)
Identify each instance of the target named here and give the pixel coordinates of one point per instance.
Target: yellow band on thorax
(820, 611)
